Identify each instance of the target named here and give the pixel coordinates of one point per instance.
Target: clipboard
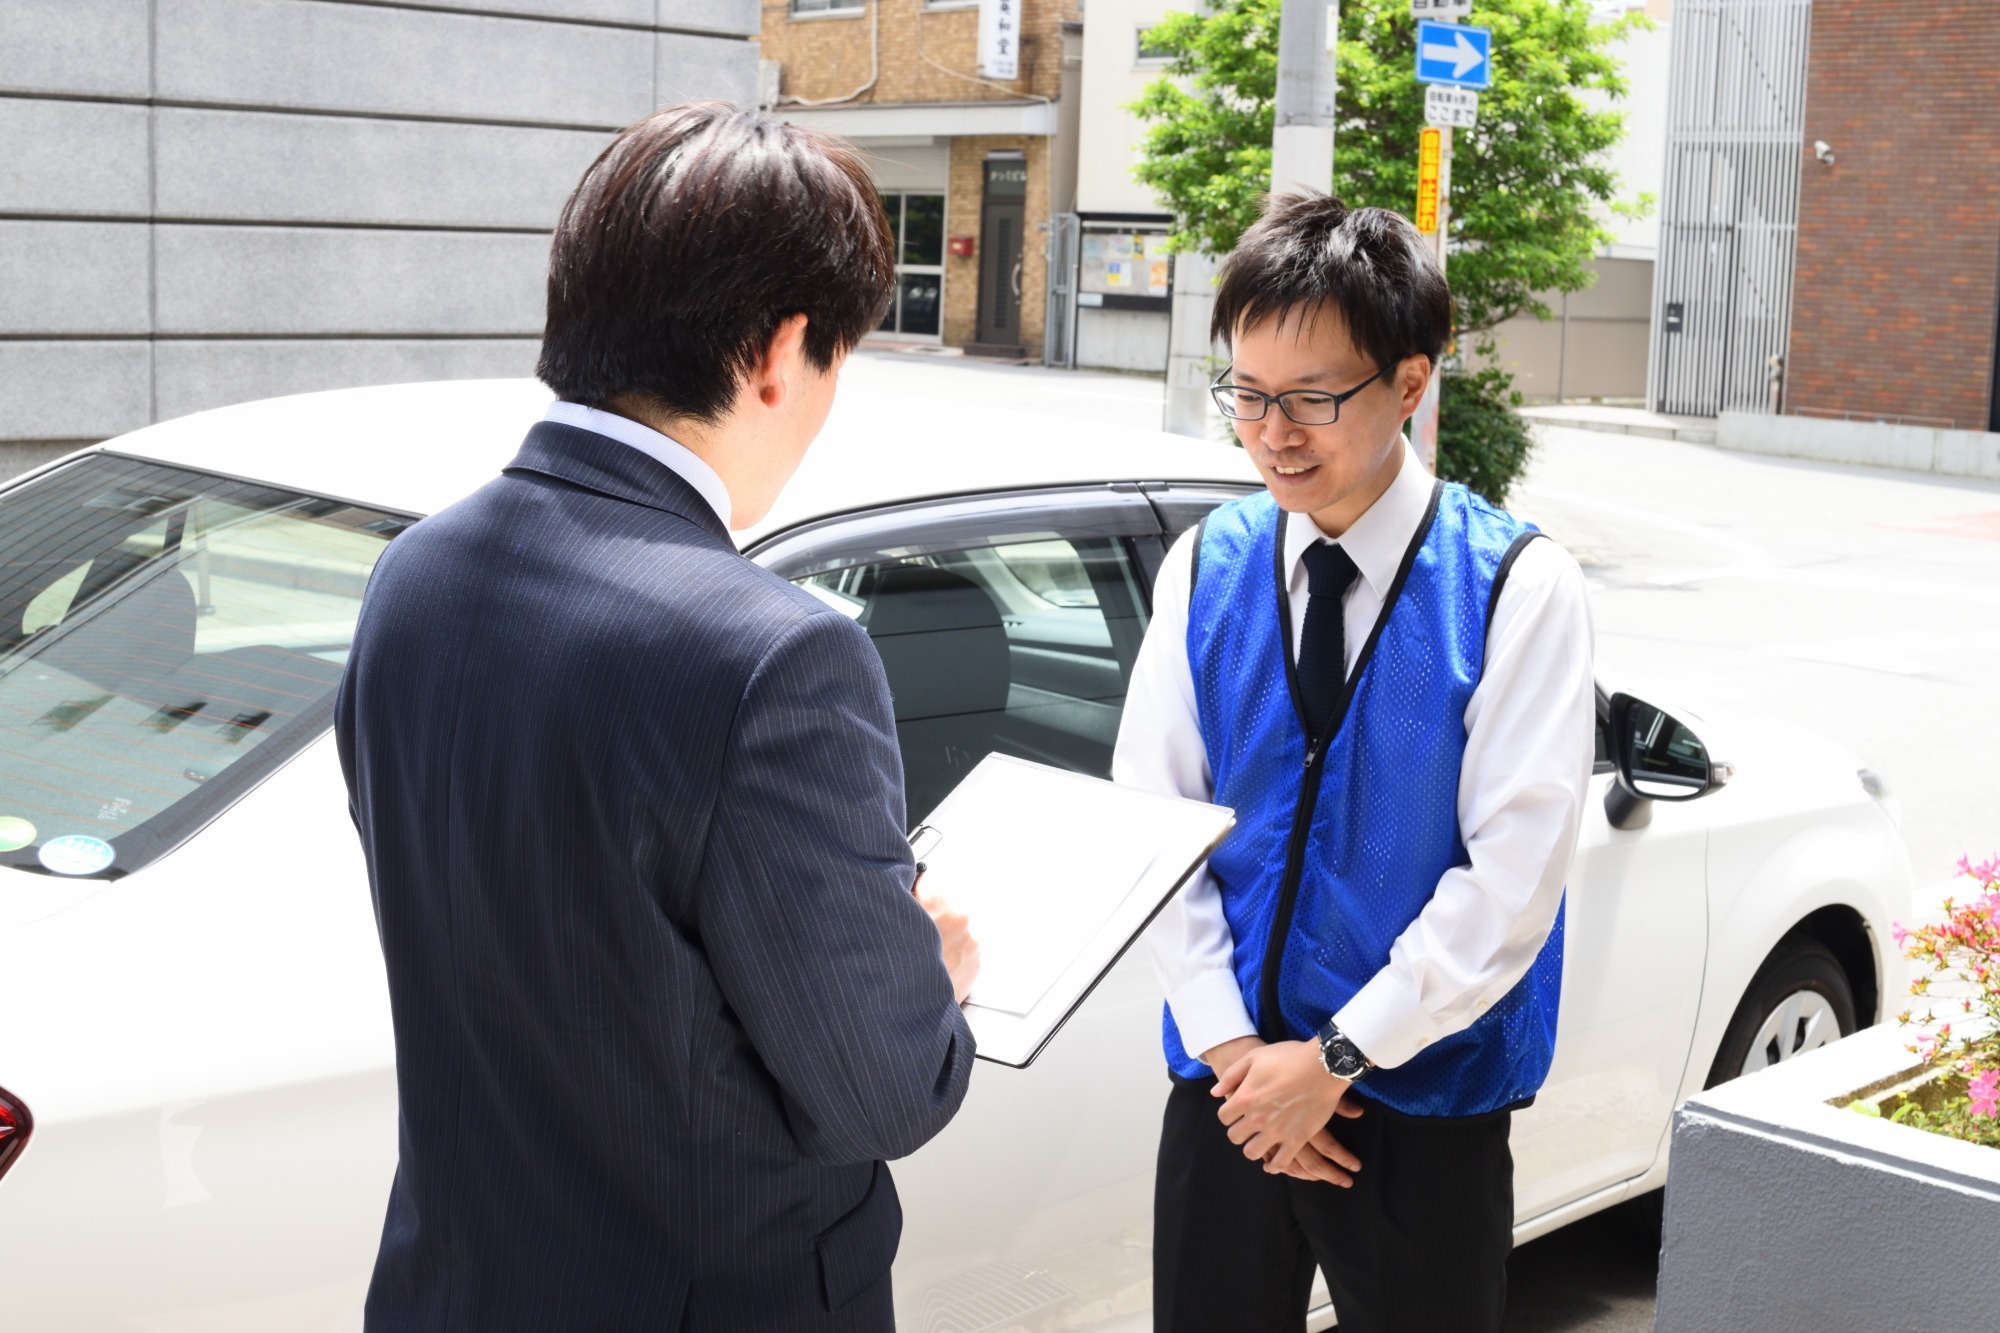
(1058, 873)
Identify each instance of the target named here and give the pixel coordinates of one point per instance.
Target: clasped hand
(1277, 1101)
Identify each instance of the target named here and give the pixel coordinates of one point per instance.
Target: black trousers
(1418, 1244)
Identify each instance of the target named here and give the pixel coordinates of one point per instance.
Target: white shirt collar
(1377, 540)
(681, 460)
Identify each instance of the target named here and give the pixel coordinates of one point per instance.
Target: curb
(1662, 430)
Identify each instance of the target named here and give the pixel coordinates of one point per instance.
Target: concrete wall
(1122, 339)
(205, 201)
(1640, 157)
(1951, 453)
(1604, 352)
(1788, 1215)
(1113, 75)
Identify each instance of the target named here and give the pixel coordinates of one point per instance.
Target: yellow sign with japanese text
(1430, 158)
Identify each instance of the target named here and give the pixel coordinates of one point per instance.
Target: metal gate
(1729, 208)
(1059, 328)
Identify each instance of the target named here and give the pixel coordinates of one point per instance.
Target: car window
(167, 638)
(1019, 646)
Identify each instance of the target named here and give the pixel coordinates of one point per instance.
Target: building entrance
(1002, 215)
(918, 223)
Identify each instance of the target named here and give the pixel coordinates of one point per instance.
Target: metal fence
(1059, 329)
(1729, 209)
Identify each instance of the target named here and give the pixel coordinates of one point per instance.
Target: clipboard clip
(924, 842)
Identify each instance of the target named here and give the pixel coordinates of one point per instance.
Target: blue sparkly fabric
(1384, 828)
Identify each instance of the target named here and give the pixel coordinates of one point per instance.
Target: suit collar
(598, 463)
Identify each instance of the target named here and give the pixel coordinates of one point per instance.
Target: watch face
(1341, 1059)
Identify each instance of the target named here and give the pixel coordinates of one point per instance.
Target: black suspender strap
(1519, 545)
(1194, 560)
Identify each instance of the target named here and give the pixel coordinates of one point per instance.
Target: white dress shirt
(683, 461)
(1529, 748)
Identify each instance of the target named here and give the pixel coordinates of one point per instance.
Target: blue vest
(1337, 847)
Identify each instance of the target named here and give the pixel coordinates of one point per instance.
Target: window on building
(918, 221)
(1151, 53)
(826, 6)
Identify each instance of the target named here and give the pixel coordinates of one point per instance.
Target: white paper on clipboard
(1058, 873)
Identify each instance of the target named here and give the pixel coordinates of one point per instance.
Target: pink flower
(1901, 935)
(1984, 1088)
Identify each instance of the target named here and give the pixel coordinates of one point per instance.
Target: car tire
(1800, 999)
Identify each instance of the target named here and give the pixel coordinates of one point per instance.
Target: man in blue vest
(1389, 680)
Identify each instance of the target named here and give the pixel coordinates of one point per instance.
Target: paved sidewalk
(1623, 421)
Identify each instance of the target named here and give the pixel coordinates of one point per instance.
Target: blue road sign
(1454, 53)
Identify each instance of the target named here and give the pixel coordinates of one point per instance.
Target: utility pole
(1301, 159)
(1302, 137)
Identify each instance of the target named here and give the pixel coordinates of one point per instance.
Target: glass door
(918, 310)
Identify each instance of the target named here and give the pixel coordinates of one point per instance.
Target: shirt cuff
(1208, 1009)
(1386, 1022)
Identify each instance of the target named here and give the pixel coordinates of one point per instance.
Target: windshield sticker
(15, 833)
(77, 854)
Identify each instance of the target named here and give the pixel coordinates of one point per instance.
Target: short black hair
(690, 239)
(1311, 250)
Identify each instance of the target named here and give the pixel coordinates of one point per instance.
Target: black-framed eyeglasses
(1307, 407)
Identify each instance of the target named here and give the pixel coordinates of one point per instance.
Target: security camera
(1823, 151)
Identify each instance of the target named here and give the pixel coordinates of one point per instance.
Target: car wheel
(1798, 1002)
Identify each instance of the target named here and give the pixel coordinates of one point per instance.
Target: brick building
(971, 169)
(1831, 218)
(1898, 266)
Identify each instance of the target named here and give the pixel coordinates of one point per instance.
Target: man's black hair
(690, 239)
(1310, 250)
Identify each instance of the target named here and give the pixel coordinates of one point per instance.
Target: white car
(197, 1093)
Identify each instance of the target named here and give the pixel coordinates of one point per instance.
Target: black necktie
(1323, 645)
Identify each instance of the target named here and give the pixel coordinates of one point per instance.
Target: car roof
(418, 447)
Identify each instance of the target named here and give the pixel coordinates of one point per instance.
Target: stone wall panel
(298, 280)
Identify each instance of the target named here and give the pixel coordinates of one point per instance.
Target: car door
(1010, 623)
(1634, 946)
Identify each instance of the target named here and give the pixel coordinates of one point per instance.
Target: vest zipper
(1272, 1026)
(1271, 1021)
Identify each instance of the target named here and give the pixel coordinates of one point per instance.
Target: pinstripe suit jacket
(663, 1002)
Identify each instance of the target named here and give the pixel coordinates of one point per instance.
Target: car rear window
(167, 639)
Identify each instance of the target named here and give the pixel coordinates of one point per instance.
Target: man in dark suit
(632, 806)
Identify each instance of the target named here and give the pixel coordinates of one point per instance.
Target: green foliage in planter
(1963, 948)
(1482, 440)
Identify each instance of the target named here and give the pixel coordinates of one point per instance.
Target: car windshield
(167, 639)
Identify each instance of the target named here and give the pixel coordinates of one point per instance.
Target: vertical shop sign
(1000, 39)
(1430, 158)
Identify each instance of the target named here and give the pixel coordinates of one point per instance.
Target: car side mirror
(1657, 759)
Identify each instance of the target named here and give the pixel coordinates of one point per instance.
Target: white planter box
(1785, 1213)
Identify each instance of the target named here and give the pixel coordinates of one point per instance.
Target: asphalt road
(1861, 603)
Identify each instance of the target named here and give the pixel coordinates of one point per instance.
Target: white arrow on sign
(1462, 54)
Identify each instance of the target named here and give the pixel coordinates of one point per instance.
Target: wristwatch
(1341, 1057)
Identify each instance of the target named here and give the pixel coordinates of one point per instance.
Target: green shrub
(1482, 440)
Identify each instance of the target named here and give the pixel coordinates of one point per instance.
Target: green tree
(1530, 187)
